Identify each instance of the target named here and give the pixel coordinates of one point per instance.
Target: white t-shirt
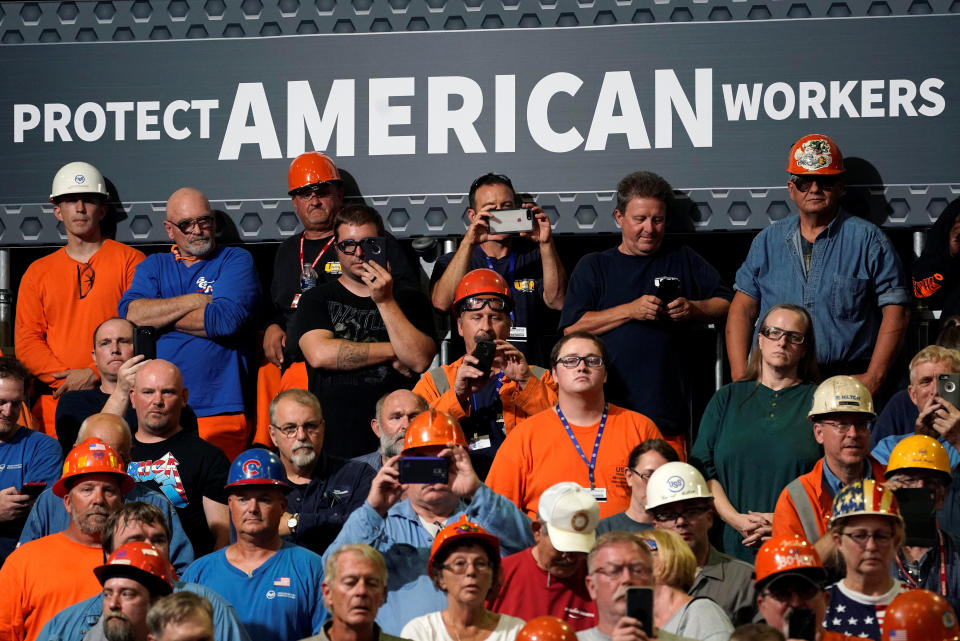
(430, 627)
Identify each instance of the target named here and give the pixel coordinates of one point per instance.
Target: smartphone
(918, 508)
(668, 288)
(948, 388)
(485, 351)
(640, 606)
(424, 469)
(801, 624)
(145, 341)
(510, 221)
(375, 250)
(34, 488)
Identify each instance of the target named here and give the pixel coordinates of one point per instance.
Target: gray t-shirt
(594, 634)
(700, 619)
(620, 521)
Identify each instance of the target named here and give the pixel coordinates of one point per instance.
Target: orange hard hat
(433, 427)
(920, 614)
(93, 456)
(782, 555)
(815, 154)
(546, 628)
(457, 531)
(482, 282)
(141, 562)
(311, 168)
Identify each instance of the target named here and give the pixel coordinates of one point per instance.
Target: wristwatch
(292, 522)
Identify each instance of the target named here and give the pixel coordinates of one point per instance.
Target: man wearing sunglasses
(361, 335)
(201, 298)
(70, 292)
(841, 268)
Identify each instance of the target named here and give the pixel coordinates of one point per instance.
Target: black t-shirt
(285, 286)
(534, 324)
(348, 397)
(74, 408)
(184, 468)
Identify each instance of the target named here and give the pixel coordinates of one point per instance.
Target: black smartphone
(918, 508)
(375, 250)
(485, 352)
(948, 388)
(33, 488)
(424, 469)
(145, 341)
(801, 624)
(640, 606)
(668, 288)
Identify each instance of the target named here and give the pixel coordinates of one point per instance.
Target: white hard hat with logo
(841, 394)
(676, 481)
(78, 178)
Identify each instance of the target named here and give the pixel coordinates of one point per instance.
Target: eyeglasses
(320, 190)
(842, 427)
(476, 303)
(290, 430)
(645, 476)
(85, 278)
(203, 223)
(460, 566)
(572, 361)
(688, 514)
(882, 539)
(370, 246)
(775, 333)
(803, 183)
(784, 590)
(613, 571)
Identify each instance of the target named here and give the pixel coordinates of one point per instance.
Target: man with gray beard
(326, 488)
(393, 413)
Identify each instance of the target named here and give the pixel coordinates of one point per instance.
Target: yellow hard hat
(919, 452)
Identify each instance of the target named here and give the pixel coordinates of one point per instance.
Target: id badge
(479, 443)
(599, 493)
(518, 333)
(295, 301)
(308, 278)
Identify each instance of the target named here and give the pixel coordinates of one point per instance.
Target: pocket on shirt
(849, 296)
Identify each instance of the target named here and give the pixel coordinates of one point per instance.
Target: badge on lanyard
(308, 278)
(479, 442)
(599, 493)
(518, 333)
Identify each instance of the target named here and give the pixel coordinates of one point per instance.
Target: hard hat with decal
(430, 428)
(866, 497)
(782, 556)
(676, 481)
(841, 394)
(257, 466)
(78, 178)
(482, 282)
(459, 530)
(815, 154)
(93, 456)
(141, 562)
(546, 628)
(922, 615)
(310, 169)
(919, 451)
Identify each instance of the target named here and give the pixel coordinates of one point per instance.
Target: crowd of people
(197, 473)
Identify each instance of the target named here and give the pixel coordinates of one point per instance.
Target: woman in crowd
(642, 462)
(465, 564)
(754, 437)
(675, 611)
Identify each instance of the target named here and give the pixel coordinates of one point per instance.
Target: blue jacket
(405, 545)
(48, 516)
(215, 369)
(71, 624)
(854, 271)
(28, 457)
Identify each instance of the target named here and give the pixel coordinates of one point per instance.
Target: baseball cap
(571, 515)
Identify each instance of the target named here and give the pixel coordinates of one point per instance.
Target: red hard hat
(457, 531)
(141, 562)
(920, 614)
(433, 428)
(546, 628)
(815, 154)
(311, 168)
(91, 457)
(788, 555)
(481, 282)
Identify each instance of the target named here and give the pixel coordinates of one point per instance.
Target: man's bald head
(158, 396)
(186, 198)
(109, 428)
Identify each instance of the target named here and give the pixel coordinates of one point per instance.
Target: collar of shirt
(833, 481)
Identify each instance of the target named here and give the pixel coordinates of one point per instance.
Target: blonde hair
(935, 354)
(675, 564)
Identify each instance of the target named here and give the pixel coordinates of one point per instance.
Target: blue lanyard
(592, 463)
(496, 394)
(511, 269)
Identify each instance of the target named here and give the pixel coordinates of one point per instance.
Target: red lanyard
(316, 260)
(943, 568)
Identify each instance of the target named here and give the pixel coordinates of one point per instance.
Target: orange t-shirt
(54, 325)
(538, 453)
(42, 577)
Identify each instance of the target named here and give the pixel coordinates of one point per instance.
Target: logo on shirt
(205, 286)
(165, 472)
(333, 267)
(527, 285)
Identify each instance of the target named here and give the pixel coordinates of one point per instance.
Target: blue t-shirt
(279, 600)
(28, 457)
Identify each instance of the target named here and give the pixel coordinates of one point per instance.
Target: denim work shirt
(854, 271)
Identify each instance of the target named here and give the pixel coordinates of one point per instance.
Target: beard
(91, 522)
(303, 454)
(390, 447)
(117, 627)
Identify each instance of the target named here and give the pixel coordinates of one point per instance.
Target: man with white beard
(393, 414)
(326, 488)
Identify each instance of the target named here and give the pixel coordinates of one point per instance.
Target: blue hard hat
(257, 467)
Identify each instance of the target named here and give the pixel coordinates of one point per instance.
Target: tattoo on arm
(352, 355)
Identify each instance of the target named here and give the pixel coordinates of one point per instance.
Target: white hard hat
(78, 178)
(676, 481)
(841, 394)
